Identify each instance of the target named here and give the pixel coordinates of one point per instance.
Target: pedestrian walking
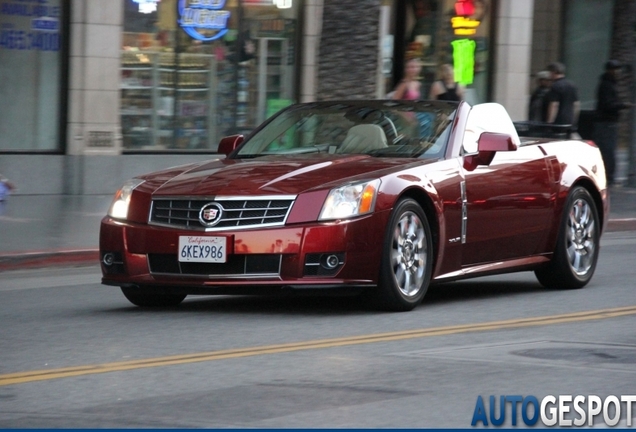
(447, 88)
(563, 99)
(5, 187)
(5, 190)
(608, 107)
(409, 87)
(538, 110)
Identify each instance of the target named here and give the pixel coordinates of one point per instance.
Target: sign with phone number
(24, 40)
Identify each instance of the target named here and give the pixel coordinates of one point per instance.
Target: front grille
(236, 213)
(236, 265)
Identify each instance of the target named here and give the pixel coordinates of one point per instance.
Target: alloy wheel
(409, 254)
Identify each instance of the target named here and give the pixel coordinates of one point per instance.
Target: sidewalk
(46, 230)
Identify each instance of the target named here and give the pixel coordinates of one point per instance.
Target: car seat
(363, 138)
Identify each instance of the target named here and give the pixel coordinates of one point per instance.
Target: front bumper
(258, 259)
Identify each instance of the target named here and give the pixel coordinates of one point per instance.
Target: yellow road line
(49, 374)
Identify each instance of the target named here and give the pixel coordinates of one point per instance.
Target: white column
(95, 44)
(513, 49)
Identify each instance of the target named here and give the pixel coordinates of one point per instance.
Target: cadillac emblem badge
(210, 214)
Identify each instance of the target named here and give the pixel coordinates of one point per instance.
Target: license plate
(202, 249)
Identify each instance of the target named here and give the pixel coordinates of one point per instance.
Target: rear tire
(146, 298)
(407, 259)
(574, 259)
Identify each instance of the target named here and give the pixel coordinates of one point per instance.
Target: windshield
(376, 128)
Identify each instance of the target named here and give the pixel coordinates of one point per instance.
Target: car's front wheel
(143, 297)
(574, 259)
(407, 258)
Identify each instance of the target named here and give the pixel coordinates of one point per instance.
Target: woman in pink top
(409, 87)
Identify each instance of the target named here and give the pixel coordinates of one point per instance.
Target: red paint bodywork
(514, 204)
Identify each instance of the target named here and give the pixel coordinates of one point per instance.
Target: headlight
(119, 207)
(351, 200)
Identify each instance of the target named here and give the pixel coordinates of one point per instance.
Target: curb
(27, 260)
(86, 257)
(625, 224)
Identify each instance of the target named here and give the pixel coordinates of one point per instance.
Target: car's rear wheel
(143, 297)
(574, 259)
(407, 259)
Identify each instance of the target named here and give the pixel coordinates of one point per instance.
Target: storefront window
(587, 41)
(446, 32)
(30, 41)
(196, 70)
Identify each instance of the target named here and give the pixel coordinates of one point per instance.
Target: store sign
(33, 25)
(464, 60)
(101, 139)
(147, 6)
(283, 4)
(465, 8)
(204, 20)
(463, 26)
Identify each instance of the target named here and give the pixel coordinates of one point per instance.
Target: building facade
(97, 91)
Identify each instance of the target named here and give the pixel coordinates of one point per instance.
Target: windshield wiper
(248, 156)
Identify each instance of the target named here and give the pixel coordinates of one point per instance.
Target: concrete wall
(513, 50)
(94, 124)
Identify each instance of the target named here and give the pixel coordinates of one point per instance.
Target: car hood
(275, 175)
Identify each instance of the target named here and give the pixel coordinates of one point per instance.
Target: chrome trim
(221, 199)
(462, 186)
(224, 197)
(217, 229)
(273, 276)
(244, 275)
(491, 268)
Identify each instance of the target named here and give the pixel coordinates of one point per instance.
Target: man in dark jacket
(608, 106)
(538, 111)
(563, 98)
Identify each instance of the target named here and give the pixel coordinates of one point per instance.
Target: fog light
(108, 259)
(332, 262)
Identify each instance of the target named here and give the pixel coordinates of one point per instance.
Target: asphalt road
(74, 353)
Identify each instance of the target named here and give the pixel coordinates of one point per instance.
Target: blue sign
(45, 24)
(199, 18)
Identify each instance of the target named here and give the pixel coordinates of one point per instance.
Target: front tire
(146, 298)
(574, 259)
(407, 258)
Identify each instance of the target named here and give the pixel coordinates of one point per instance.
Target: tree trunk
(348, 50)
(623, 49)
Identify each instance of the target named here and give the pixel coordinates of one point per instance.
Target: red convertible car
(379, 197)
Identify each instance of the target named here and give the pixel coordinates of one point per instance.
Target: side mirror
(494, 142)
(488, 144)
(229, 143)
